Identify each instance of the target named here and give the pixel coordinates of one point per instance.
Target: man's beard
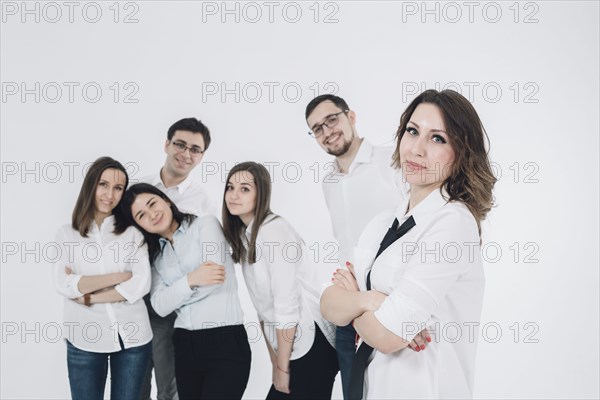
(343, 150)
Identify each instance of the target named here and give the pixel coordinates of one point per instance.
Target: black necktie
(359, 362)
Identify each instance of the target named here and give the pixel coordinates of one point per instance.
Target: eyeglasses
(330, 121)
(181, 147)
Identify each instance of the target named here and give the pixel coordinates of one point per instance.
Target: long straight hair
(152, 239)
(471, 179)
(85, 206)
(233, 227)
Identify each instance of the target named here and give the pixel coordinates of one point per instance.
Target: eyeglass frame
(311, 133)
(181, 147)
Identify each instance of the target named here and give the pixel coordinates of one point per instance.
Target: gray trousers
(163, 357)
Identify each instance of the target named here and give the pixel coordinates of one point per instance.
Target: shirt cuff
(401, 315)
(182, 287)
(72, 285)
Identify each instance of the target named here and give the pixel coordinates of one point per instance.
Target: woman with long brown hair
(427, 272)
(277, 273)
(104, 273)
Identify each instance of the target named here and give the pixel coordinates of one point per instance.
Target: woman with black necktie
(426, 276)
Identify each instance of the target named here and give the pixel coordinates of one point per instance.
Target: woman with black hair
(193, 275)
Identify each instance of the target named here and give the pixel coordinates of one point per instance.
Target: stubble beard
(344, 149)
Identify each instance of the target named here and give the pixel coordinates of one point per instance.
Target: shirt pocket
(389, 268)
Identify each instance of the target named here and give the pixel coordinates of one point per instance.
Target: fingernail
(428, 339)
(422, 347)
(347, 262)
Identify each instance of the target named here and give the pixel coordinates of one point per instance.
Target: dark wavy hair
(471, 179)
(85, 206)
(152, 239)
(233, 227)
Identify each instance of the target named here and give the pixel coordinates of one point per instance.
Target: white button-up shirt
(434, 278)
(189, 195)
(353, 199)
(281, 286)
(202, 307)
(97, 328)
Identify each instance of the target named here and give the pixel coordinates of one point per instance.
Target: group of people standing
(163, 290)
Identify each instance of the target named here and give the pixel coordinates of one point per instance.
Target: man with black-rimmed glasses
(361, 185)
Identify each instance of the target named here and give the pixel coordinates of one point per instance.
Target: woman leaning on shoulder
(193, 275)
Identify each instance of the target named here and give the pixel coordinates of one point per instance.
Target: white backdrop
(85, 79)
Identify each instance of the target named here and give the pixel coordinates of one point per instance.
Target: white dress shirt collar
(109, 222)
(268, 219)
(183, 226)
(364, 155)
(181, 187)
(425, 209)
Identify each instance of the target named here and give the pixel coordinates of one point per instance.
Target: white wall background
(530, 68)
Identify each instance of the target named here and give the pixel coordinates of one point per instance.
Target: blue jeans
(345, 337)
(88, 371)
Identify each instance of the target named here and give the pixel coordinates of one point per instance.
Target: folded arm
(188, 289)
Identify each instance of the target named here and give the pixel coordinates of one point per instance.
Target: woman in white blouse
(193, 275)
(104, 273)
(277, 273)
(432, 275)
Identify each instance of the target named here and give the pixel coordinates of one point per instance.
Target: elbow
(162, 312)
(129, 298)
(286, 320)
(332, 316)
(328, 311)
(133, 294)
(147, 286)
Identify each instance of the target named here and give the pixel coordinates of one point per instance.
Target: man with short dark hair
(187, 140)
(362, 185)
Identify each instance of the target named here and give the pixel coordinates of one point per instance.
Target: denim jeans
(88, 371)
(345, 337)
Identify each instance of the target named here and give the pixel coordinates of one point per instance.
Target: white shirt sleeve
(282, 253)
(166, 299)
(430, 274)
(65, 284)
(136, 258)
